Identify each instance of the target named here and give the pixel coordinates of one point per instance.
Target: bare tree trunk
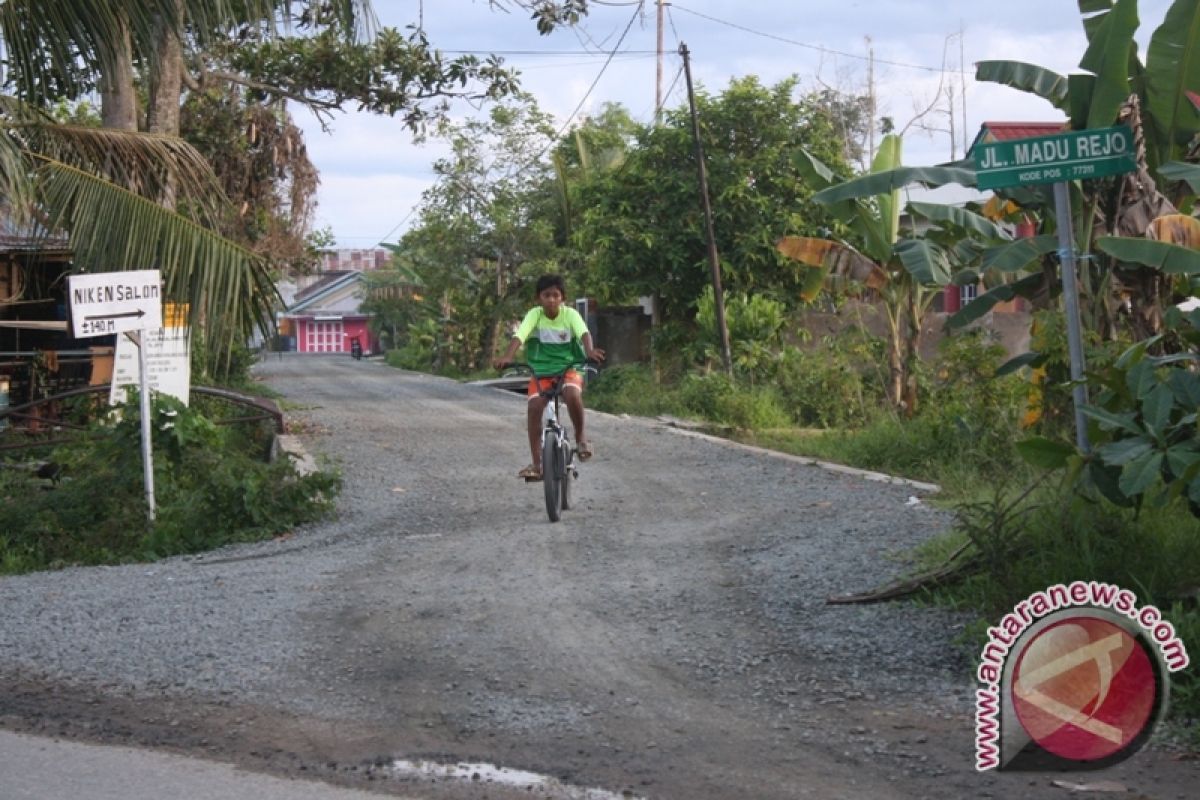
(118, 102)
(166, 81)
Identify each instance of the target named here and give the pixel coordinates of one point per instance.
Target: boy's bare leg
(574, 399)
(536, 406)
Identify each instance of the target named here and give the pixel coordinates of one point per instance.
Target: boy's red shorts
(539, 385)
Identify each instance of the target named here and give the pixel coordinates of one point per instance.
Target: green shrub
(966, 398)
(1064, 537)
(211, 484)
(630, 389)
(821, 388)
(718, 399)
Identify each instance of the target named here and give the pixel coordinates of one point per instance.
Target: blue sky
(372, 173)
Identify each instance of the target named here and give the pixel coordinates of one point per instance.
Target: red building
(326, 316)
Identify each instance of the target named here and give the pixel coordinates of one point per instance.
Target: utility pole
(658, 98)
(713, 262)
(870, 103)
(962, 82)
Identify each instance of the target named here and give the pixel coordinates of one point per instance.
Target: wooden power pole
(658, 98)
(714, 262)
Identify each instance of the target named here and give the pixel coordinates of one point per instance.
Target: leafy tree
(641, 227)
(486, 224)
(127, 199)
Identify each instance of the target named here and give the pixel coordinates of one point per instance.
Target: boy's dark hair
(547, 281)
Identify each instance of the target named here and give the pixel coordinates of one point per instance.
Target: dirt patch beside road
(668, 639)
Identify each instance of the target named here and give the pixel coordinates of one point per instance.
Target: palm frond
(164, 169)
(228, 289)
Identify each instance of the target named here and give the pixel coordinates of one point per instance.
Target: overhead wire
(808, 45)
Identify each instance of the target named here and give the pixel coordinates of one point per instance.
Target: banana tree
(869, 247)
(1114, 86)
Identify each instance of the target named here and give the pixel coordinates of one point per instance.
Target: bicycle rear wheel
(552, 474)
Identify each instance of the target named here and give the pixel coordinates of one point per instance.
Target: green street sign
(1070, 156)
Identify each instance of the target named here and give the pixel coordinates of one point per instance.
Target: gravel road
(669, 639)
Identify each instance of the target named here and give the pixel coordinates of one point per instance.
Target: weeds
(212, 488)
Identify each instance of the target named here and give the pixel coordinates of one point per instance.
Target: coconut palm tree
(127, 200)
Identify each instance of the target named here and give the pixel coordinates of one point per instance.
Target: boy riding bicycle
(555, 338)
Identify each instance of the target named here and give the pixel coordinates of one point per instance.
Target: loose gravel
(670, 637)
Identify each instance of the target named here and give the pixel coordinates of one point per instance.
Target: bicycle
(559, 465)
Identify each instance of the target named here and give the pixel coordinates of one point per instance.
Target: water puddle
(502, 776)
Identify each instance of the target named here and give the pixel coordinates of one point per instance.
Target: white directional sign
(115, 302)
(168, 361)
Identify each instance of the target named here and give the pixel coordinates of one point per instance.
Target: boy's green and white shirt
(552, 345)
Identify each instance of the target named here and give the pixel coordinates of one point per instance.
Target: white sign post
(115, 302)
(130, 302)
(168, 358)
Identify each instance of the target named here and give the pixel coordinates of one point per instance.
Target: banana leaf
(827, 257)
(814, 171)
(886, 159)
(1019, 254)
(1109, 50)
(1094, 12)
(1173, 65)
(925, 261)
(1180, 229)
(967, 220)
(1080, 87)
(878, 183)
(819, 176)
(1182, 171)
(227, 287)
(1169, 258)
(1029, 78)
(1026, 287)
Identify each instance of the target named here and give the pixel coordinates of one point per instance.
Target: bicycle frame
(558, 451)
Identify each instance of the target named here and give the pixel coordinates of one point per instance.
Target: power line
(817, 47)
(547, 52)
(637, 12)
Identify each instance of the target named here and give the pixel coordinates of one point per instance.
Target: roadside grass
(1064, 537)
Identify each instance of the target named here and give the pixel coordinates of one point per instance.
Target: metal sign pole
(1066, 254)
(144, 398)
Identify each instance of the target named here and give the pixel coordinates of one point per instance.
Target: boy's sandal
(584, 449)
(530, 473)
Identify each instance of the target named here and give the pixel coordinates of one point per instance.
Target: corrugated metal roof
(326, 280)
(1004, 131)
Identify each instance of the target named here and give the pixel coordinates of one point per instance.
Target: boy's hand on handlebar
(502, 363)
(596, 355)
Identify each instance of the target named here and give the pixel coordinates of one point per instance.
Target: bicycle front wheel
(552, 474)
(565, 449)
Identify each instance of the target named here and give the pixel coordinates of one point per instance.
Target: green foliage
(630, 389)
(716, 398)
(1055, 536)
(827, 386)
(1144, 423)
(965, 395)
(755, 324)
(641, 224)
(211, 484)
(420, 349)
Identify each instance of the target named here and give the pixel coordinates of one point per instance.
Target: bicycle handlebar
(587, 365)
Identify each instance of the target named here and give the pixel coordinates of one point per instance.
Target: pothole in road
(502, 776)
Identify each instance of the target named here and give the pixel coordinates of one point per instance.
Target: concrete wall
(623, 333)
